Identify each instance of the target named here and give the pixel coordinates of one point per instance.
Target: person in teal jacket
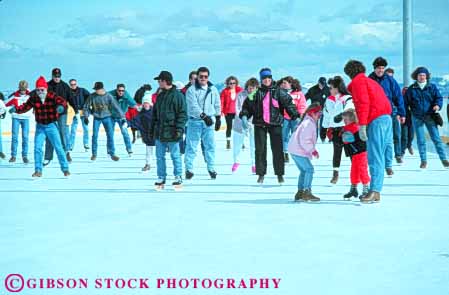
(125, 101)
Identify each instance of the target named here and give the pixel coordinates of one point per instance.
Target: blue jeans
(306, 171)
(73, 133)
(288, 127)
(16, 125)
(379, 132)
(434, 136)
(63, 134)
(175, 153)
(51, 133)
(198, 131)
(394, 144)
(125, 134)
(108, 126)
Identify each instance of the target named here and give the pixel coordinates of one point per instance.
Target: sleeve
(86, 94)
(309, 94)
(326, 116)
(136, 122)
(361, 102)
(437, 97)
(246, 109)
(287, 103)
(217, 104)
(222, 100)
(115, 107)
(193, 107)
(86, 107)
(25, 107)
(60, 101)
(306, 139)
(12, 102)
(181, 112)
(2, 107)
(131, 102)
(399, 98)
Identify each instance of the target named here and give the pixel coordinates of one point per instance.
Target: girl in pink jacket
(302, 147)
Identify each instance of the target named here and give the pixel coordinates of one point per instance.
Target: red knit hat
(313, 109)
(41, 83)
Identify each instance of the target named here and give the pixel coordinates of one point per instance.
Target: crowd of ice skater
(372, 120)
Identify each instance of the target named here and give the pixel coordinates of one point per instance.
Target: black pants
(260, 139)
(337, 141)
(229, 119)
(323, 131)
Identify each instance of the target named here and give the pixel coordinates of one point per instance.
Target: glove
(86, 120)
(330, 133)
(122, 121)
(217, 123)
(362, 133)
(12, 110)
(338, 118)
(315, 154)
(178, 135)
(60, 109)
(2, 116)
(245, 124)
(206, 119)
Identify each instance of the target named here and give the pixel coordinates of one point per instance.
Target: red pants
(359, 169)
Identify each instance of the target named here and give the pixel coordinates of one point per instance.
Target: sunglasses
(203, 76)
(72, 84)
(121, 90)
(232, 83)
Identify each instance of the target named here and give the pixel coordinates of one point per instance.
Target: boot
(308, 196)
(299, 194)
(93, 158)
(37, 174)
(389, 172)
(371, 197)
(159, 184)
(286, 159)
(12, 160)
(353, 193)
(423, 165)
(228, 144)
(445, 163)
(25, 160)
(213, 174)
(178, 181)
(280, 179)
(334, 177)
(189, 175)
(2, 156)
(399, 160)
(115, 158)
(66, 173)
(146, 167)
(69, 159)
(260, 179)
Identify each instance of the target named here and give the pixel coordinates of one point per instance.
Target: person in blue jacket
(394, 94)
(425, 101)
(125, 101)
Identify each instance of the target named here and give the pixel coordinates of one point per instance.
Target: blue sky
(131, 41)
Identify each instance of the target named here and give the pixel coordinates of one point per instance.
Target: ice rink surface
(106, 220)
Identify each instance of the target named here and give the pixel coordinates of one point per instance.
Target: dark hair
(415, 73)
(203, 69)
(120, 85)
(339, 83)
(230, 78)
(380, 62)
(192, 73)
(71, 80)
(389, 70)
(296, 85)
(252, 82)
(2, 97)
(353, 68)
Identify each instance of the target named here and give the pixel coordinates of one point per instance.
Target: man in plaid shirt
(47, 107)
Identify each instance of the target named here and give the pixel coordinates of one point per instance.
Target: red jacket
(369, 99)
(227, 103)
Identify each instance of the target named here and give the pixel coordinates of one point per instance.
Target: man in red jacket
(373, 110)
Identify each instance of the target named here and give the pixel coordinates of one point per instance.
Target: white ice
(106, 220)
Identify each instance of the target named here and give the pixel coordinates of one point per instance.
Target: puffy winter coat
(227, 102)
(299, 100)
(315, 94)
(279, 101)
(393, 92)
(421, 101)
(203, 100)
(169, 116)
(142, 122)
(334, 106)
(369, 99)
(19, 99)
(237, 124)
(353, 145)
(303, 140)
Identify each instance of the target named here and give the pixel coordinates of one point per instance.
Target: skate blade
(177, 188)
(159, 188)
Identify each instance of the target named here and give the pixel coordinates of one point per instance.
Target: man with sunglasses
(47, 108)
(61, 89)
(203, 111)
(78, 96)
(125, 101)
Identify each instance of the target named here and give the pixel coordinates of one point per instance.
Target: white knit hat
(147, 98)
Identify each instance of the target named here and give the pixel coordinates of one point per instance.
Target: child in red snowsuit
(356, 149)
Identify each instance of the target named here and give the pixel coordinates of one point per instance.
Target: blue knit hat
(422, 70)
(265, 73)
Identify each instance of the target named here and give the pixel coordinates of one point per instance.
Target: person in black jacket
(62, 89)
(319, 93)
(167, 126)
(77, 97)
(267, 110)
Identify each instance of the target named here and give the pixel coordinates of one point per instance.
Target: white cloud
(122, 38)
(9, 47)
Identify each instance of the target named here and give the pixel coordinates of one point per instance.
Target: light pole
(407, 20)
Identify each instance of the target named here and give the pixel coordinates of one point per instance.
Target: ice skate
(177, 184)
(2, 156)
(353, 193)
(371, 197)
(309, 197)
(189, 175)
(334, 177)
(159, 184)
(445, 163)
(281, 179)
(12, 160)
(146, 168)
(115, 158)
(37, 174)
(213, 174)
(299, 195)
(390, 172)
(86, 148)
(66, 173)
(260, 179)
(69, 158)
(423, 165)
(25, 160)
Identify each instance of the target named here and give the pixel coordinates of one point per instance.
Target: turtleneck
(422, 85)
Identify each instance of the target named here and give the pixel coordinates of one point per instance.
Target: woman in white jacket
(335, 104)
